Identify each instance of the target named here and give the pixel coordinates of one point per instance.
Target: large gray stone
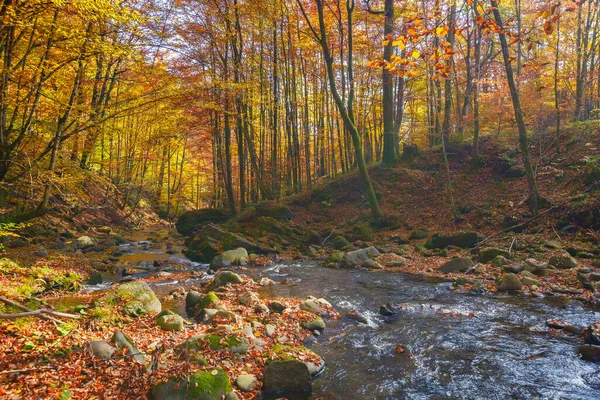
(246, 382)
(460, 264)
(536, 267)
(125, 342)
(357, 257)
(238, 256)
(510, 282)
(101, 349)
(564, 261)
(223, 278)
(136, 292)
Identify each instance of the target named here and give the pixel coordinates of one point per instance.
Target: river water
(458, 345)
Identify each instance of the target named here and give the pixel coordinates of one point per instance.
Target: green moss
(210, 299)
(217, 342)
(286, 353)
(336, 257)
(208, 382)
(35, 280)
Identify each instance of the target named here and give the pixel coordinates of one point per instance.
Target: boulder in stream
(228, 258)
(357, 257)
(223, 278)
(287, 378)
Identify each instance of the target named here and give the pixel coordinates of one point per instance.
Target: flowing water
(458, 345)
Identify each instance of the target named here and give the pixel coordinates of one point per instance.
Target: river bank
(442, 339)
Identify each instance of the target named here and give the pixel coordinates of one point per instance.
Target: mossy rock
(202, 385)
(231, 343)
(339, 242)
(316, 324)
(210, 299)
(192, 299)
(464, 240)
(134, 308)
(192, 221)
(419, 234)
(170, 323)
(201, 249)
(164, 312)
(191, 350)
(364, 232)
(224, 278)
(336, 257)
(126, 293)
(488, 254)
(284, 352)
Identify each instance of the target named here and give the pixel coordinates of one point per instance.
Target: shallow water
(463, 346)
(504, 351)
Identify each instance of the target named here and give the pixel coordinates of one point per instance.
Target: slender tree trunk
(535, 200)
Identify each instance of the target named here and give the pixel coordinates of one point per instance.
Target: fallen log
(42, 313)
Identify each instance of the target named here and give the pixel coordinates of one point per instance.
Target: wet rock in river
(354, 258)
(510, 282)
(386, 310)
(591, 334)
(285, 378)
(461, 264)
(358, 317)
(316, 324)
(223, 278)
(238, 256)
(95, 279)
(371, 264)
(590, 352)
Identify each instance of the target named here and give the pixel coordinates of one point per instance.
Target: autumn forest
(170, 169)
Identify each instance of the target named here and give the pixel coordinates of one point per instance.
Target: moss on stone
(210, 299)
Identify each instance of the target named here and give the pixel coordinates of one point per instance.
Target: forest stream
(442, 343)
